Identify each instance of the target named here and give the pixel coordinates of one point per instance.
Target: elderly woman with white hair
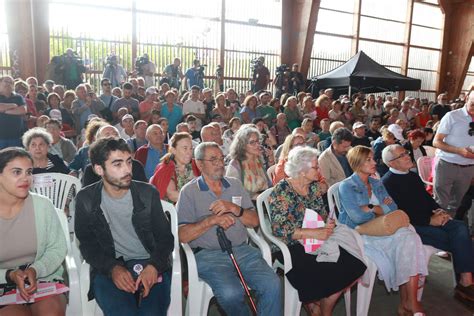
(319, 284)
(247, 162)
(37, 142)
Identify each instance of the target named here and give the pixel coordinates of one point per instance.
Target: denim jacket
(353, 194)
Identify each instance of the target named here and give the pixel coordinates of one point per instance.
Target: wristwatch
(371, 206)
(241, 212)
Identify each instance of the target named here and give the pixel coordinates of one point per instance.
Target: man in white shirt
(195, 106)
(455, 168)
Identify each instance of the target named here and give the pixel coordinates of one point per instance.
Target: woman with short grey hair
(289, 201)
(37, 142)
(247, 162)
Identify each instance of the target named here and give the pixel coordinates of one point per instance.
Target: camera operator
(297, 82)
(114, 72)
(260, 75)
(195, 75)
(72, 68)
(172, 74)
(281, 81)
(220, 77)
(145, 68)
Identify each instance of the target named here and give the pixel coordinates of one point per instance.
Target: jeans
(453, 237)
(4, 143)
(113, 301)
(217, 270)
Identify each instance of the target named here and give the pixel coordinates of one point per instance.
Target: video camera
(140, 62)
(281, 69)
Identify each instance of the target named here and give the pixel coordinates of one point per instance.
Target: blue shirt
(152, 160)
(455, 125)
(174, 117)
(194, 79)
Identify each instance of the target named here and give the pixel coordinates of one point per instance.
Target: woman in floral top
(319, 284)
(176, 168)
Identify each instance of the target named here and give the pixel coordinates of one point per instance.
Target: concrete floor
(437, 299)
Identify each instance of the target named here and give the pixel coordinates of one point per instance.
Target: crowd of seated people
(310, 142)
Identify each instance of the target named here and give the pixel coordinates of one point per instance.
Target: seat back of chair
(56, 186)
(263, 208)
(170, 210)
(333, 200)
(430, 151)
(320, 145)
(424, 165)
(271, 172)
(65, 226)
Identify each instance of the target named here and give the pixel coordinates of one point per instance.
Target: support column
(406, 46)
(298, 25)
(458, 46)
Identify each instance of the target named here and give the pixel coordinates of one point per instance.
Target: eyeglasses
(404, 154)
(471, 129)
(253, 142)
(215, 161)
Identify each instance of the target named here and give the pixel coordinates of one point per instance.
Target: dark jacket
(95, 237)
(58, 166)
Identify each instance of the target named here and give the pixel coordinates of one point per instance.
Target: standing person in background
(455, 168)
(114, 71)
(12, 110)
(194, 76)
(297, 82)
(173, 74)
(260, 76)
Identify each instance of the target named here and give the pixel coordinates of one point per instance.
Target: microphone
(224, 242)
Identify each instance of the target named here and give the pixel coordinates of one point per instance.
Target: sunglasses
(471, 129)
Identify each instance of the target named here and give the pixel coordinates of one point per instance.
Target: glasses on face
(471, 129)
(215, 161)
(404, 154)
(253, 142)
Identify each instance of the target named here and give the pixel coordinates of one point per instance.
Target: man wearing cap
(127, 131)
(265, 110)
(358, 129)
(145, 107)
(455, 168)
(194, 76)
(397, 131)
(127, 101)
(60, 146)
(194, 106)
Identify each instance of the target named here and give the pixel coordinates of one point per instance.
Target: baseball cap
(397, 131)
(55, 114)
(357, 125)
(126, 117)
(205, 90)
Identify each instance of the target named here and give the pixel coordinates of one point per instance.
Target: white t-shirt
(190, 106)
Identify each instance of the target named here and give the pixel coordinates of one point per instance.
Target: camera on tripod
(140, 62)
(281, 69)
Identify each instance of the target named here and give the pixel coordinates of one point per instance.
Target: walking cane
(226, 245)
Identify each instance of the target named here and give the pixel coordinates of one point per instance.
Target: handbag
(384, 225)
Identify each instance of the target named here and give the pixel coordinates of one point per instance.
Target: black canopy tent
(362, 73)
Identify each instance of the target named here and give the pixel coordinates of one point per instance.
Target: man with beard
(212, 201)
(123, 231)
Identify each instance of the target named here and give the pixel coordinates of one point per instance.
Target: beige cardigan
(330, 167)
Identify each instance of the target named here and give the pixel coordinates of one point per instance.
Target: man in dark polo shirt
(12, 108)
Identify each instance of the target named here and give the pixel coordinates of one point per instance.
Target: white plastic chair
(271, 172)
(176, 306)
(364, 293)
(57, 187)
(430, 151)
(74, 307)
(424, 165)
(200, 293)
